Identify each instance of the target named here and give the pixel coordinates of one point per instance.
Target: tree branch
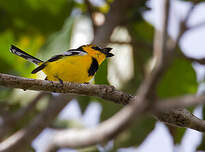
(103, 91)
(160, 38)
(119, 121)
(180, 118)
(21, 140)
(198, 25)
(200, 61)
(179, 102)
(166, 111)
(10, 121)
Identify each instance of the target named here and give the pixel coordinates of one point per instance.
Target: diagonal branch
(177, 117)
(180, 102)
(10, 121)
(120, 121)
(79, 138)
(23, 138)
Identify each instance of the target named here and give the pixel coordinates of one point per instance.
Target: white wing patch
(72, 53)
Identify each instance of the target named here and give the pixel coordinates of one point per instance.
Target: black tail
(24, 55)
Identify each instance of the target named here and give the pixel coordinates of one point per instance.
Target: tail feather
(24, 55)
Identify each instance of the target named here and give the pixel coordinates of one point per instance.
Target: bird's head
(99, 53)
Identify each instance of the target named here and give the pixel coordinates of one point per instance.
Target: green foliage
(31, 25)
(101, 75)
(143, 32)
(59, 41)
(27, 23)
(179, 134)
(83, 102)
(44, 28)
(89, 149)
(142, 35)
(178, 80)
(63, 124)
(176, 133)
(108, 109)
(31, 16)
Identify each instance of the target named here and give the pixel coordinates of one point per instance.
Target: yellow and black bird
(75, 65)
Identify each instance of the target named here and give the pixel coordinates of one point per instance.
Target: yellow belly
(70, 69)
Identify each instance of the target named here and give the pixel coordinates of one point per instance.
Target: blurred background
(44, 28)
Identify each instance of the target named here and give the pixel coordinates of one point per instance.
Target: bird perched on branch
(75, 65)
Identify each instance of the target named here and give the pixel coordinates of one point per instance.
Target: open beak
(109, 55)
(107, 52)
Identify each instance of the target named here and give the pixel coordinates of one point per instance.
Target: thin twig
(200, 61)
(180, 102)
(161, 36)
(196, 26)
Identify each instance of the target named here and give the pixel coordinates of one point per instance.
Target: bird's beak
(107, 49)
(107, 52)
(109, 55)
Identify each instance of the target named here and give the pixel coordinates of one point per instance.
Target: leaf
(135, 135)
(83, 102)
(101, 75)
(178, 80)
(31, 16)
(108, 109)
(59, 41)
(176, 133)
(89, 149)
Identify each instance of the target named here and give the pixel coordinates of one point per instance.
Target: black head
(105, 51)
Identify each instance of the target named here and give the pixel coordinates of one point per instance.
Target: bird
(75, 65)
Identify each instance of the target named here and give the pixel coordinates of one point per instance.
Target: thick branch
(122, 119)
(181, 118)
(79, 138)
(103, 132)
(102, 91)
